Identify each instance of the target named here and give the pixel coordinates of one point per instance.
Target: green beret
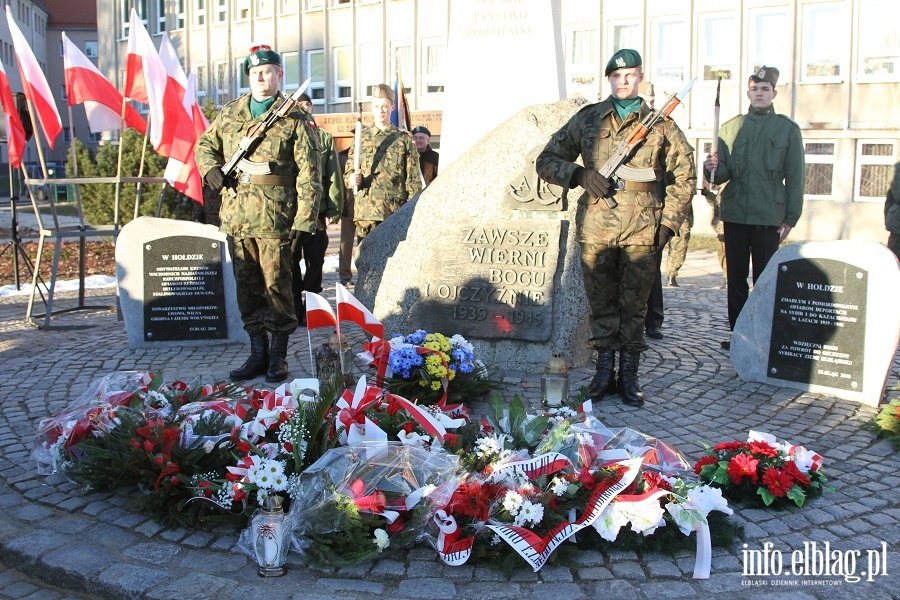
(263, 56)
(764, 73)
(623, 59)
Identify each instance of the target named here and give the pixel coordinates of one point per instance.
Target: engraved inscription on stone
(819, 323)
(491, 280)
(529, 192)
(184, 289)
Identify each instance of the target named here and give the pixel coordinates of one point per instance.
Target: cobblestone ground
(56, 542)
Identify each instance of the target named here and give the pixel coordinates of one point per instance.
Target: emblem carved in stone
(527, 191)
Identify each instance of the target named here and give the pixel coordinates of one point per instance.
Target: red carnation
(709, 459)
(743, 465)
(408, 427)
(730, 446)
(790, 467)
(777, 482)
(762, 448)
(450, 439)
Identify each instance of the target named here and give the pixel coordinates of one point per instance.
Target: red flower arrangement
(762, 468)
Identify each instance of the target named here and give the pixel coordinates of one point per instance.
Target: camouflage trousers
(894, 244)
(617, 280)
(262, 274)
(678, 246)
(364, 228)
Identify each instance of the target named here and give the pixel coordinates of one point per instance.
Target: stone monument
(176, 284)
(502, 55)
(822, 318)
(487, 251)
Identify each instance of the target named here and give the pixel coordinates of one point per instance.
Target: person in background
(312, 249)
(713, 199)
(428, 158)
(678, 247)
(389, 167)
(619, 245)
(267, 212)
(761, 166)
(348, 229)
(892, 213)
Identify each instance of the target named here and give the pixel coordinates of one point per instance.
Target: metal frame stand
(15, 243)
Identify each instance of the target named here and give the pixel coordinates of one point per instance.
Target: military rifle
(615, 169)
(714, 144)
(238, 162)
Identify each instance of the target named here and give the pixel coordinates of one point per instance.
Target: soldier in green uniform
(760, 164)
(892, 212)
(267, 212)
(389, 167)
(618, 245)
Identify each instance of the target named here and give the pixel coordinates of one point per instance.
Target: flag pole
(137, 196)
(81, 238)
(118, 198)
(37, 138)
(312, 363)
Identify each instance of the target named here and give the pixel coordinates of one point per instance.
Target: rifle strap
(267, 179)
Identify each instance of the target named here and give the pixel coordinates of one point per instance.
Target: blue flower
(418, 337)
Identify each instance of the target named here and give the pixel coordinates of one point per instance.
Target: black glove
(663, 235)
(215, 179)
(596, 184)
(297, 238)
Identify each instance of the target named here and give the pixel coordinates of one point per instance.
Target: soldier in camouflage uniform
(678, 247)
(389, 167)
(267, 213)
(892, 212)
(715, 206)
(618, 245)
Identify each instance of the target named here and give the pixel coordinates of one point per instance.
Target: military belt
(636, 186)
(266, 179)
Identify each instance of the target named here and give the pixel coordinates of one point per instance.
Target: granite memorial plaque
(493, 281)
(822, 318)
(176, 284)
(184, 289)
(818, 323)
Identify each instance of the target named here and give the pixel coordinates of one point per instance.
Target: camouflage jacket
(761, 164)
(389, 163)
(332, 204)
(892, 203)
(266, 211)
(593, 133)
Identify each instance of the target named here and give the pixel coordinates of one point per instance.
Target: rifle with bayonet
(615, 168)
(238, 163)
(357, 145)
(714, 145)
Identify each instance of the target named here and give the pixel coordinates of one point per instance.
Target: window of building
(241, 10)
(222, 83)
(717, 50)
(581, 57)
(289, 6)
(90, 48)
(291, 64)
(95, 138)
(820, 158)
(769, 38)
(314, 4)
(243, 78)
(371, 71)
(824, 37)
(222, 10)
(402, 63)
(624, 34)
(874, 169)
(200, 76)
(62, 93)
(315, 67)
(343, 74)
(879, 44)
(125, 11)
(264, 8)
(670, 53)
(433, 51)
(66, 137)
(336, 3)
(160, 16)
(179, 14)
(200, 13)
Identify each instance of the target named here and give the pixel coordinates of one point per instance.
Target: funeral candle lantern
(270, 529)
(327, 360)
(555, 381)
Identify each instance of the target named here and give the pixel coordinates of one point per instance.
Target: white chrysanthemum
(559, 486)
(381, 539)
(155, 398)
(273, 467)
(458, 341)
(512, 502)
(531, 512)
(645, 516)
(585, 439)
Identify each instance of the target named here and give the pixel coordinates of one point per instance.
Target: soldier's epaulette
(598, 106)
(788, 119)
(734, 118)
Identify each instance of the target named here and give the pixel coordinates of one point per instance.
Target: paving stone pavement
(57, 542)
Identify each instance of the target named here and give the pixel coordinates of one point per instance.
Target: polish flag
(318, 312)
(184, 176)
(145, 78)
(351, 309)
(15, 132)
(35, 84)
(102, 102)
(178, 139)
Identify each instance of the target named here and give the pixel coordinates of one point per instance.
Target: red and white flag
(179, 131)
(15, 132)
(318, 312)
(145, 77)
(35, 84)
(102, 102)
(351, 309)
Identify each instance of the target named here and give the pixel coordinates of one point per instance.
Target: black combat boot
(278, 367)
(604, 381)
(629, 388)
(258, 361)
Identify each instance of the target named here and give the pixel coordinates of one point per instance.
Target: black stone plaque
(491, 280)
(184, 289)
(819, 323)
